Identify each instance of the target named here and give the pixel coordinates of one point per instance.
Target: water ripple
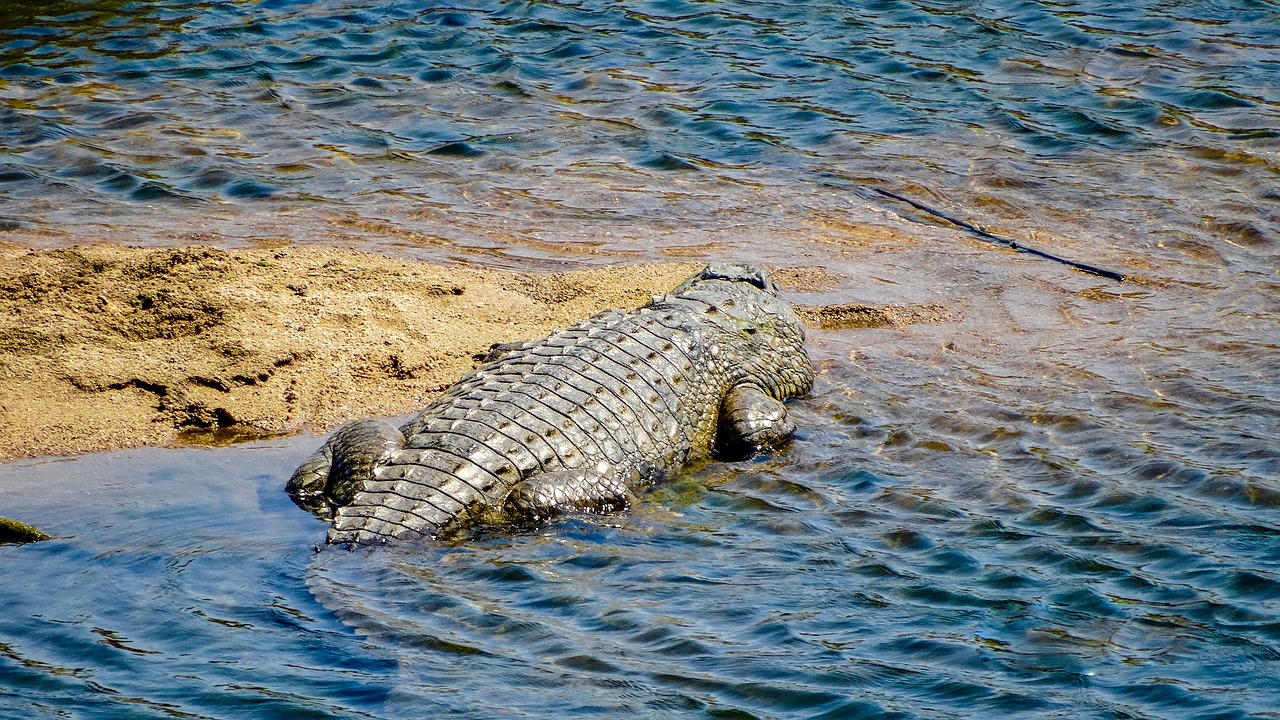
(307, 102)
(1061, 502)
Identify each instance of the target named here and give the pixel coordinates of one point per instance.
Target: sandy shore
(105, 347)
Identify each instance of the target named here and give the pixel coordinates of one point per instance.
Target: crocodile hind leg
(332, 475)
(750, 421)
(545, 496)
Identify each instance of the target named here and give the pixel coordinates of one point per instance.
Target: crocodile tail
(383, 511)
(417, 493)
(330, 477)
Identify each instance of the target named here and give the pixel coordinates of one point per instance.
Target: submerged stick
(1007, 242)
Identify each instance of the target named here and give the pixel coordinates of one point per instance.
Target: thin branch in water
(1007, 242)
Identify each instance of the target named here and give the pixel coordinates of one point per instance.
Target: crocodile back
(621, 394)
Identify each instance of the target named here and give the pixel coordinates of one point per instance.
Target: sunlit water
(1063, 503)
(536, 128)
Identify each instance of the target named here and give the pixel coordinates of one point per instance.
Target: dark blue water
(1062, 502)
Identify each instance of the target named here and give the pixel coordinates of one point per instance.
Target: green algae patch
(12, 531)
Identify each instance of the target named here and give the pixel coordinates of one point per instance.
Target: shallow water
(1064, 502)
(525, 131)
(966, 527)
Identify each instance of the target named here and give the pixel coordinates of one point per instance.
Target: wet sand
(106, 347)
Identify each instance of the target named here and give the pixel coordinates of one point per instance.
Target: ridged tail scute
(415, 493)
(332, 475)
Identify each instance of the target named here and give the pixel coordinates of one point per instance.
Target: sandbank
(105, 346)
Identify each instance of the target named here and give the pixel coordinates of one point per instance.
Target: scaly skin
(578, 421)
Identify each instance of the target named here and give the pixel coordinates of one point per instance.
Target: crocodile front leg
(750, 421)
(332, 475)
(545, 496)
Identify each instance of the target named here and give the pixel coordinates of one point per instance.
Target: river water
(1063, 500)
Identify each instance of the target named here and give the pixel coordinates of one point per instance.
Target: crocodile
(576, 422)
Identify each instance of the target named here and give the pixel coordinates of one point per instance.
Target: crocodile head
(763, 336)
(748, 274)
